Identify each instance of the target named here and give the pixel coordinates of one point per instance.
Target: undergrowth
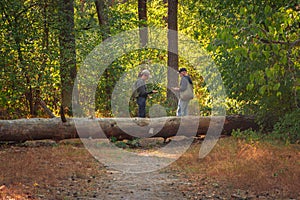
(285, 131)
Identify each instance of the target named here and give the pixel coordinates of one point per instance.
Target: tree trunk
(36, 128)
(100, 7)
(67, 52)
(143, 31)
(172, 49)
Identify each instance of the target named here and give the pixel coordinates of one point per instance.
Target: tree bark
(67, 52)
(100, 8)
(37, 128)
(172, 48)
(142, 13)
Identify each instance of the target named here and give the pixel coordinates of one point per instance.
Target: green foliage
(287, 129)
(134, 143)
(121, 144)
(28, 57)
(113, 139)
(254, 45)
(247, 135)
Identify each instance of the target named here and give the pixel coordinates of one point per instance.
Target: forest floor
(234, 169)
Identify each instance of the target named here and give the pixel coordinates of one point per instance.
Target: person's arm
(151, 92)
(183, 84)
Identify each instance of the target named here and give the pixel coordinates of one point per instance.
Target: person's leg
(178, 112)
(184, 108)
(141, 101)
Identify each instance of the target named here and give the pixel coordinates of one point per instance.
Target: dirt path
(115, 185)
(69, 172)
(148, 186)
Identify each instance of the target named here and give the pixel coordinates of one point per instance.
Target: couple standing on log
(185, 90)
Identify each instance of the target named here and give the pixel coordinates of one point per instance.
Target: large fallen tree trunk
(121, 128)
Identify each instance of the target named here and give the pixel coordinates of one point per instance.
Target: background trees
(29, 57)
(255, 45)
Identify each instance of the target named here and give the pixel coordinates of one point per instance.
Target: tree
(28, 64)
(67, 52)
(255, 46)
(263, 43)
(37, 129)
(142, 13)
(102, 18)
(100, 7)
(172, 48)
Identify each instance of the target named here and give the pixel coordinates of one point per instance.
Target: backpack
(187, 94)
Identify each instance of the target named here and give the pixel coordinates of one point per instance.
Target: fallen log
(21, 130)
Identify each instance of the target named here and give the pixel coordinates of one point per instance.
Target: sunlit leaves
(251, 42)
(28, 51)
(252, 50)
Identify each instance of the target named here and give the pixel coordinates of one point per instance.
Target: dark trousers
(141, 101)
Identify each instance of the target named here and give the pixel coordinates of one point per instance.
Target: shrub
(247, 135)
(287, 129)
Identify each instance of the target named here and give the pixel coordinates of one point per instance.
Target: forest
(68, 62)
(253, 45)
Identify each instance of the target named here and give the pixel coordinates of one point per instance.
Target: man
(142, 93)
(185, 82)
